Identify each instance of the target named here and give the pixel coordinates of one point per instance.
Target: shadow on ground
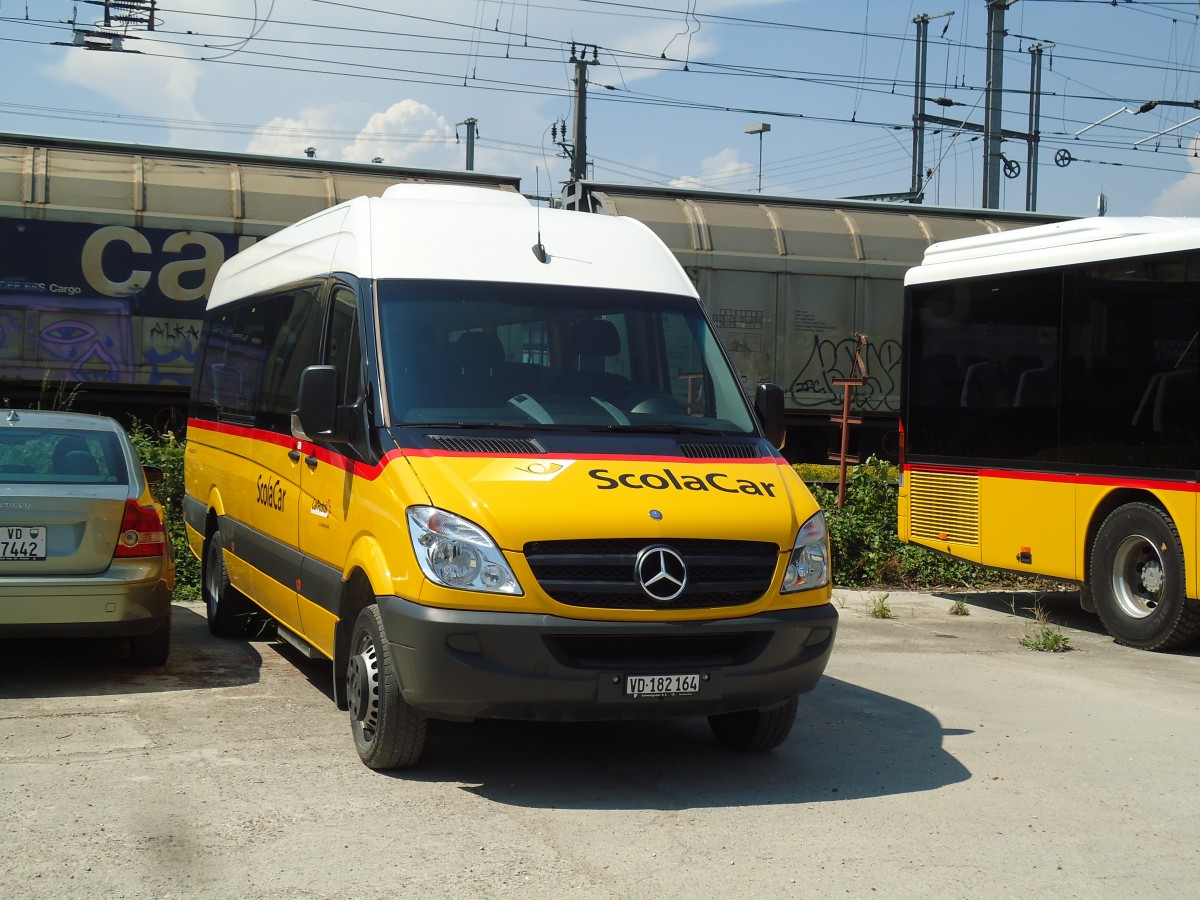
(848, 743)
(58, 667)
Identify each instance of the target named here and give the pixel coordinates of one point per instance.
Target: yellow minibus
(492, 461)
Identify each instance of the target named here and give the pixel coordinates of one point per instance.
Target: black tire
(1137, 580)
(153, 648)
(229, 613)
(388, 733)
(755, 730)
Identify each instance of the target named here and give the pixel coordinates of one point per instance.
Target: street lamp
(759, 128)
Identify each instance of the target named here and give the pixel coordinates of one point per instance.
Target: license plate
(661, 685)
(22, 542)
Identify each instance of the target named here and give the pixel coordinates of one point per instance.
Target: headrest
(478, 349)
(594, 337)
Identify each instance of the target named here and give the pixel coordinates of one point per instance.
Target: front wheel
(1137, 580)
(388, 733)
(755, 729)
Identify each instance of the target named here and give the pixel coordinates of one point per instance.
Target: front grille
(495, 446)
(703, 651)
(600, 573)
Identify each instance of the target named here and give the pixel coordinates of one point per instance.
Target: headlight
(457, 553)
(808, 567)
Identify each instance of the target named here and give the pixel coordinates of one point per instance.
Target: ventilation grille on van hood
(496, 446)
(723, 450)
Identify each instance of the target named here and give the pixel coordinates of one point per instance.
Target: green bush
(166, 451)
(866, 550)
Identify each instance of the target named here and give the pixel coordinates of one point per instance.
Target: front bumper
(463, 664)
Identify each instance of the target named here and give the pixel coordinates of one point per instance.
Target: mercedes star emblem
(661, 572)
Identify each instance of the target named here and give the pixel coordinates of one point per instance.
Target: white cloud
(721, 170)
(285, 136)
(1183, 197)
(409, 133)
(146, 85)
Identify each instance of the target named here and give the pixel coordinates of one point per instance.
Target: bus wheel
(388, 733)
(1137, 580)
(754, 729)
(228, 611)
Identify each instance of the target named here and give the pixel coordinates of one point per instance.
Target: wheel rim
(1138, 576)
(362, 689)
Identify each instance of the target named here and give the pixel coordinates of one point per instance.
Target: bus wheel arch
(1137, 578)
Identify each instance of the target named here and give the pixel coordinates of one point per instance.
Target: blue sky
(675, 84)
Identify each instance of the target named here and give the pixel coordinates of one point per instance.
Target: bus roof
(454, 232)
(1073, 242)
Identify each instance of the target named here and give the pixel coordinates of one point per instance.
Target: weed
(879, 608)
(1045, 636)
(959, 608)
(257, 626)
(59, 396)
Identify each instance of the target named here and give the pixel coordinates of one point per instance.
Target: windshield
(471, 353)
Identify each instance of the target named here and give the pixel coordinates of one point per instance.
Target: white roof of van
(455, 232)
(1075, 242)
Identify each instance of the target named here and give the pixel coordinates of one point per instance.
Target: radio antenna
(539, 250)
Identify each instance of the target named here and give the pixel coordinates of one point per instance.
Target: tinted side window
(345, 345)
(252, 355)
(983, 368)
(295, 345)
(1131, 391)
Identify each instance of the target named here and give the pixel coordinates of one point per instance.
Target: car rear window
(60, 456)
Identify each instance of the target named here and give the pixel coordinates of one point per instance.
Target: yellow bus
(1050, 412)
(492, 461)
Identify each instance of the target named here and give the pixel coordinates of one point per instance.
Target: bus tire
(755, 730)
(228, 611)
(388, 733)
(1137, 580)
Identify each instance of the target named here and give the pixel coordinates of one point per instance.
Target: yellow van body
(493, 462)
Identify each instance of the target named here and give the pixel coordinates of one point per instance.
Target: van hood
(518, 499)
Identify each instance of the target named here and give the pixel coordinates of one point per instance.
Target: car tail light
(141, 532)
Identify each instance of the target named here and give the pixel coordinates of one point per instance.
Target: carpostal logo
(666, 480)
(271, 493)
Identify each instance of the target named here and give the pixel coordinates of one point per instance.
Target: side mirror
(153, 474)
(768, 403)
(316, 410)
